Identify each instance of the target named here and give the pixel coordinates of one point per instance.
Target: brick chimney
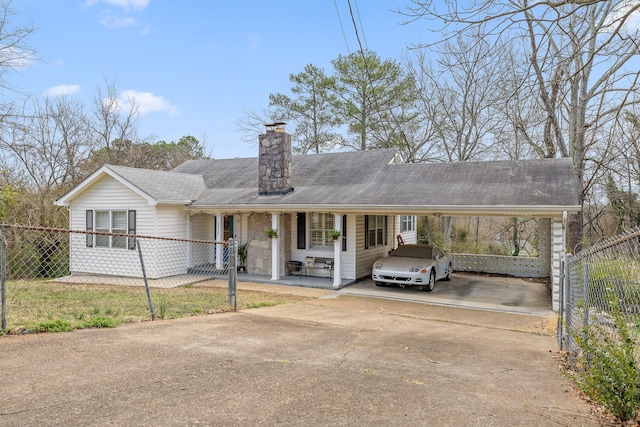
(274, 161)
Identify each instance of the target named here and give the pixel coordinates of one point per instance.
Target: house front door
(228, 227)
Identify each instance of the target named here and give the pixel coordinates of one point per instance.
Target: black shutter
(385, 232)
(302, 230)
(344, 233)
(366, 231)
(89, 227)
(131, 241)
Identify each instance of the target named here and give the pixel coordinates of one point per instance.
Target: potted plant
(272, 233)
(242, 257)
(334, 234)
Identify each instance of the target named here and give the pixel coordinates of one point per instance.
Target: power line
(361, 27)
(341, 27)
(364, 57)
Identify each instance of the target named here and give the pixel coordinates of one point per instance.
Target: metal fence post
(146, 282)
(562, 305)
(233, 276)
(3, 276)
(585, 296)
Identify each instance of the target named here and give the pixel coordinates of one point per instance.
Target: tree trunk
(574, 232)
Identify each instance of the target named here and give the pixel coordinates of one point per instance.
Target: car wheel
(432, 282)
(447, 276)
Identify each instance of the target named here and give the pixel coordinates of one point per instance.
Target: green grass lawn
(42, 306)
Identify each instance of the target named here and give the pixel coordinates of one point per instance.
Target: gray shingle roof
(369, 179)
(162, 185)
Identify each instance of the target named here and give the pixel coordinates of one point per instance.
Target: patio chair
(296, 268)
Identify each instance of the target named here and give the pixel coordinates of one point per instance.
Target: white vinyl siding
(408, 237)
(202, 229)
(171, 221)
(110, 195)
(366, 257)
(407, 223)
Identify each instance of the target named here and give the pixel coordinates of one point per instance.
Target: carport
(543, 189)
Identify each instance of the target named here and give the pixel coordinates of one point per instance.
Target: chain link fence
(602, 286)
(59, 263)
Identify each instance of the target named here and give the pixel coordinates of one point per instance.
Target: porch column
(218, 238)
(337, 251)
(557, 256)
(275, 247)
(190, 244)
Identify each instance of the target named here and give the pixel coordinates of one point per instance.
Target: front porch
(302, 281)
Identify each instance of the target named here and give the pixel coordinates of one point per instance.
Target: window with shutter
(375, 231)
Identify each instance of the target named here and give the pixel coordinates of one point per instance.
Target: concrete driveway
(506, 294)
(331, 360)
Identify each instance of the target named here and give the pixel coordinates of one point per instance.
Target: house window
(119, 226)
(111, 221)
(375, 231)
(407, 223)
(320, 224)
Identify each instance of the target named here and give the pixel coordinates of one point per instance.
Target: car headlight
(377, 266)
(418, 270)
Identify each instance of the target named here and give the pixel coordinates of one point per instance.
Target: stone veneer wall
(274, 162)
(259, 245)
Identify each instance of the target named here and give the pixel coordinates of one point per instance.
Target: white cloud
(124, 4)
(146, 102)
(62, 90)
(632, 22)
(13, 57)
(113, 22)
(118, 13)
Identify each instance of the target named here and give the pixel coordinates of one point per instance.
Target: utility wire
(364, 57)
(341, 27)
(361, 27)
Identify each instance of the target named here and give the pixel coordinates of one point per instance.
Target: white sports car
(413, 265)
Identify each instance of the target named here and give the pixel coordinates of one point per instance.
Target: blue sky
(195, 66)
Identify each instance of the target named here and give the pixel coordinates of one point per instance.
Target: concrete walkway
(331, 360)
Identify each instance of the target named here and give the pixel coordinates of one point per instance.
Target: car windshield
(412, 251)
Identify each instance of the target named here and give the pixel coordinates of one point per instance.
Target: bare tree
(46, 147)
(577, 51)
(468, 72)
(457, 91)
(15, 53)
(109, 123)
(252, 123)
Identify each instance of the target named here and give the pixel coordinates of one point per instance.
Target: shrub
(100, 322)
(610, 279)
(609, 371)
(56, 325)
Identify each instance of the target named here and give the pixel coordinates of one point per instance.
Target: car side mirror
(436, 257)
